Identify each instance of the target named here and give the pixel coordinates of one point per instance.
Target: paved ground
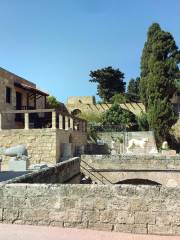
(7, 175)
(22, 232)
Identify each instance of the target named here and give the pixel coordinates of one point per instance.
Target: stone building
(16, 93)
(49, 134)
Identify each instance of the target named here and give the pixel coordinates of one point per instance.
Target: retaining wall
(109, 169)
(136, 209)
(43, 145)
(67, 171)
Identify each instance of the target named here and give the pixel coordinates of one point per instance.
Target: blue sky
(55, 43)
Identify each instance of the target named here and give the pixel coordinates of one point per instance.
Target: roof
(30, 89)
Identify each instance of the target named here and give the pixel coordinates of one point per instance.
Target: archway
(76, 112)
(138, 181)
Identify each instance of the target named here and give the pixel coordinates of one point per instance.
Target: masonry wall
(121, 147)
(43, 145)
(68, 171)
(8, 119)
(109, 169)
(136, 209)
(90, 108)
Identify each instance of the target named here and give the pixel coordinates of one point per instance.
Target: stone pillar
(1, 121)
(53, 120)
(26, 121)
(60, 121)
(71, 123)
(66, 123)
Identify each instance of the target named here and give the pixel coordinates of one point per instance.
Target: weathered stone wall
(8, 119)
(90, 108)
(134, 209)
(108, 169)
(81, 100)
(43, 145)
(120, 148)
(67, 171)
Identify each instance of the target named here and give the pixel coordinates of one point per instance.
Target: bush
(142, 121)
(118, 116)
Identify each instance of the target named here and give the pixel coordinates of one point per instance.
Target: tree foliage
(52, 102)
(161, 117)
(142, 121)
(109, 82)
(119, 98)
(159, 75)
(133, 92)
(118, 116)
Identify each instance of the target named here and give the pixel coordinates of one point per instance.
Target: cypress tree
(159, 76)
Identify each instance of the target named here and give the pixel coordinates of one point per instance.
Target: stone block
(144, 217)
(160, 229)
(108, 216)
(127, 228)
(101, 226)
(140, 229)
(91, 216)
(125, 217)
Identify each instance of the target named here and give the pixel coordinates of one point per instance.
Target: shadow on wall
(137, 181)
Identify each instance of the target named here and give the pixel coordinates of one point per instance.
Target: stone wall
(134, 209)
(108, 169)
(121, 148)
(67, 171)
(43, 145)
(90, 108)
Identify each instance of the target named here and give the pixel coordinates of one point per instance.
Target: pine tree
(110, 82)
(133, 89)
(159, 75)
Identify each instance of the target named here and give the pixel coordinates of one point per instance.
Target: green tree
(133, 89)
(161, 117)
(142, 121)
(109, 82)
(52, 102)
(159, 75)
(119, 98)
(118, 116)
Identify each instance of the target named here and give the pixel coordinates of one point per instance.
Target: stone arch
(152, 176)
(138, 181)
(76, 112)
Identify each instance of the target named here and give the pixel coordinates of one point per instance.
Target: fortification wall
(134, 209)
(90, 108)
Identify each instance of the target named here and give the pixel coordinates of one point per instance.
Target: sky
(56, 43)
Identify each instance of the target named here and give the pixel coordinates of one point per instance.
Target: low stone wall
(44, 145)
(67, 171)
(109, 169)
(134, 209)
(132, 162)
